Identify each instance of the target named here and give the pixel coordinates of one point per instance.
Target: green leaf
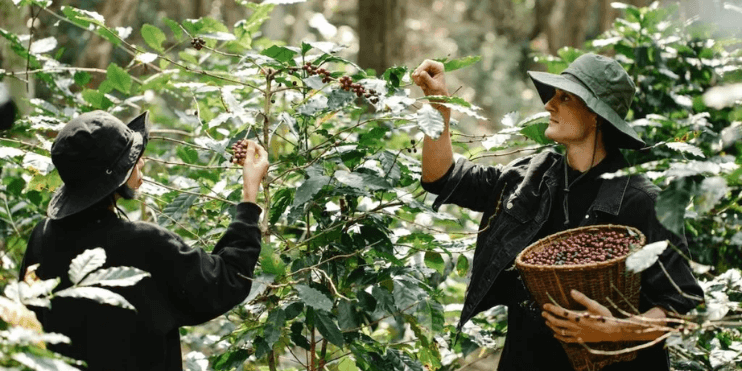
(230, 359)
(273, 325)
(346, 315)
(685, 148)
(405, 294)
(174, 28)
(154, 37)
(118, 77)
(347, 364)
(431, 315)
(49, 182)
(313, 298)
(282, 199)
(297, 337)
(271, 262)
(339, 98)
(97, 294)
(314, 105)
(435, 261)
(116, 276)
(279, 53)
(96, 99)
(430, 121)
(709, 193)
(309, 189)
(361, 180)
(462, 265)
(394, 75)
(88, 261)
(82, 78)
(187, 154)
(671, 205)
(448, 99)
(430, 358)
(456, 64)
(327, 327)
(535, 132)
(176, 209)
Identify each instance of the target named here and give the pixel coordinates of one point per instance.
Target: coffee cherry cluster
(240, 150)
(413, 148)
(584, 248)
(197, 43)
(346, 83)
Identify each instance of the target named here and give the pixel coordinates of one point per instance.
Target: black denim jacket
(516, 201)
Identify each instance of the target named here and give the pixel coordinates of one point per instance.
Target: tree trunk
(381, 33)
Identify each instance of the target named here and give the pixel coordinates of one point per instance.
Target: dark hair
(610, 134)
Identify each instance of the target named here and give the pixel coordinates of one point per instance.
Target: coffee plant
(356, 270)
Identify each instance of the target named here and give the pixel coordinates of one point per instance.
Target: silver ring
(109, 172)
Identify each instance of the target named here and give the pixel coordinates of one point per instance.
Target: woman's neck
(584, 156)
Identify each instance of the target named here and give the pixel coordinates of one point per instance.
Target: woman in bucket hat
(100, 160)
(545, 193)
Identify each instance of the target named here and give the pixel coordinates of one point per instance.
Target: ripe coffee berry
(239, 150)
(584, 248)
(198, 43)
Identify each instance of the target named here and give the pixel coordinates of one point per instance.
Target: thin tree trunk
(381, 33)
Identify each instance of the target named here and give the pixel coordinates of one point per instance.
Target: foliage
(22, 340)
(356, 270)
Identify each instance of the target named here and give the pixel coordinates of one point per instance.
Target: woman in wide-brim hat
(546, 193)
(100, 160)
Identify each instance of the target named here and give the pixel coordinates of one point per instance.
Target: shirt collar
(611, 192)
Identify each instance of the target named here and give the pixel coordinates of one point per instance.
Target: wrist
(250, 196)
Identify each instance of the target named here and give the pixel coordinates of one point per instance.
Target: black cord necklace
(567, 185)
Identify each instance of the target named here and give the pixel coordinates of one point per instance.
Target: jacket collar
(611, 193)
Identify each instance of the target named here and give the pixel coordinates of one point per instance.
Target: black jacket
(187, 286)
(516, 201)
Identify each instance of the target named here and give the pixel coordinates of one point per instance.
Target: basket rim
(520, 264)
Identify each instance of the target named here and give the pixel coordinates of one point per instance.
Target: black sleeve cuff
(248, 212)
(436, 186)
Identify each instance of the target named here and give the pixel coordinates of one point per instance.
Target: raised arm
(437, 154)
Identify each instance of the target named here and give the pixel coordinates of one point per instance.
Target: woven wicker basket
(606, 282)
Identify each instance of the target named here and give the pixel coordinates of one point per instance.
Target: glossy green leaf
(430, 121)
(314, 298)
(456, 64)
(435, 261)
(154, 37)
(327, 327)
(462, 265)
(119, 78)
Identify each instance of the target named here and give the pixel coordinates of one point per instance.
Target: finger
(553, 321)
(424, 79)
(591, 305)
(557, 311)
(262, 154)
(250, 153)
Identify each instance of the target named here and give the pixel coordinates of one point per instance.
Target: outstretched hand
(253, 170)
(430, 77)
(596, 324)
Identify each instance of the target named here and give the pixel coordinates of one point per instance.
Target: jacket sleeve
(677, 290)
(465, 184)
(200, 285)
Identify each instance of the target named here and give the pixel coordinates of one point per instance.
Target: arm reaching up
(438, 153)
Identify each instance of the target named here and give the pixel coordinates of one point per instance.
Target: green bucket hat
(603, 85)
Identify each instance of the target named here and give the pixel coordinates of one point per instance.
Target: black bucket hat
(95, 153)
(603, 85)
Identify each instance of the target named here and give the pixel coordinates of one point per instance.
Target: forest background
(357, 271)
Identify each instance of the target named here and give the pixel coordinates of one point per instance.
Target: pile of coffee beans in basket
(584, 248)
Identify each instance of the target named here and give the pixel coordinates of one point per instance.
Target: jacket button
(587, 216)
(509, 205)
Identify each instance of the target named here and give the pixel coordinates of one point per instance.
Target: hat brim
(546, 85)
(67, 201)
